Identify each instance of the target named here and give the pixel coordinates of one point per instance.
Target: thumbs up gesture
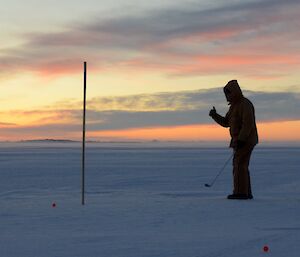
(212, 112)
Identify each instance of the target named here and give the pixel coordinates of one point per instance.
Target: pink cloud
(266, 66)
(241, 37)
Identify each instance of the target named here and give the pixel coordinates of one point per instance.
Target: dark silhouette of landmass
(49, 141)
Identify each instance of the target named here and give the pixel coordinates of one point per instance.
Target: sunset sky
(155, 68)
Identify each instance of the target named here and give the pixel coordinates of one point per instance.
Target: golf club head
(207, 185)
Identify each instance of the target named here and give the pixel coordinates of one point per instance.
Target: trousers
(241, 175)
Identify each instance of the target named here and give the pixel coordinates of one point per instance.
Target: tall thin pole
(83, 136)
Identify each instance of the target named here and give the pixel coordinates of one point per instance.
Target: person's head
(232, 91)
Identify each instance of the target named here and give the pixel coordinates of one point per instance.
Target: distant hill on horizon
(49, 140)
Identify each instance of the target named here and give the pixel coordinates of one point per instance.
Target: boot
(238, 197)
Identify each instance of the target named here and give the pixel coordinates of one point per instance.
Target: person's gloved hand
(213, 112)
(240, 144)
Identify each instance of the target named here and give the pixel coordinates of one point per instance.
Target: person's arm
(223, 121)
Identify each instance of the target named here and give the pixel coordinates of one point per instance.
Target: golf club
(221, 170)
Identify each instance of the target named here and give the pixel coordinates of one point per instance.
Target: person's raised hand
(212, 112)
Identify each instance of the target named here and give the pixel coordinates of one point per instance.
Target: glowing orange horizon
(268, 131)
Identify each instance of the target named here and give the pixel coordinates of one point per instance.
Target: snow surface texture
(145, 202)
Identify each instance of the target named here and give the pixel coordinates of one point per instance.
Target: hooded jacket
(240, 118)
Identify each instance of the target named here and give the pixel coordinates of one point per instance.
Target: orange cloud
(271, 131)
(280, 131)
(189, 132)
(287, 131)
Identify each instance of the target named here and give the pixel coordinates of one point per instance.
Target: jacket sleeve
(223, 121)
(248, 121)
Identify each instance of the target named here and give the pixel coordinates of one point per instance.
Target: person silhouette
(240, 119)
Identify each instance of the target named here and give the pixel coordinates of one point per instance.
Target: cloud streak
(255, 38)
(146, 111)
(188, 108)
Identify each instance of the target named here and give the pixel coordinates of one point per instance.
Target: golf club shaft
(221, 170)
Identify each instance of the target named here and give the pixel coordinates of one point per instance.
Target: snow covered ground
(145, 202)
